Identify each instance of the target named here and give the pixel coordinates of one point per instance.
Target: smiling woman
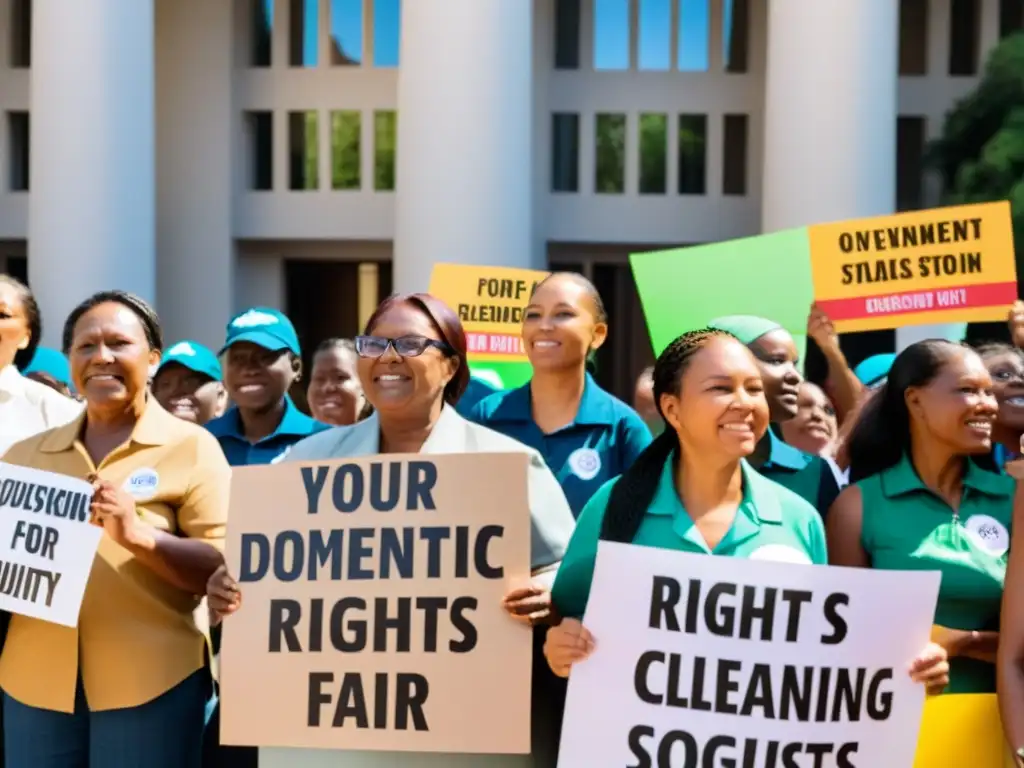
(412, 365)
(133, 675)
(919, 502)
(1005, 364)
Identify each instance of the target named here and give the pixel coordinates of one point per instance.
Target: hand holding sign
(530, 604)
(222, 594)
(567, 644)
(113, 509)
(931, 668)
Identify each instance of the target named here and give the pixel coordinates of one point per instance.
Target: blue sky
(611, 32)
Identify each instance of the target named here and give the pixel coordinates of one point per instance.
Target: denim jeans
(166, 732)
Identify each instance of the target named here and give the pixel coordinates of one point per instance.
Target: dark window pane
(910, 143)
(610, 165)
(914, 37)
(18, 149)
(303, 154)
(567, 34)
(21, 34)
(734, 162)
(1011, 17)
(653, 154)
(17, 267)
(736, 35)
(261, 150)
(565, 152)
(692, 139)
(964, 32)
(261, 19)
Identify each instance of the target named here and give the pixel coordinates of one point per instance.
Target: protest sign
(686, 288)
(47, 544)
(371, 614)
(704, 661)
(490, 303)
(945, 265)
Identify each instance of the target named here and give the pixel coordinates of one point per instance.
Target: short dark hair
(448, 326)
(139, 307)
(633, 493)
(881, 434)
(33, 318)
(989, 349)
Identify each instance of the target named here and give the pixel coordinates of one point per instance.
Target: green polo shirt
(907, 527)
(810, 477)
(772, 523)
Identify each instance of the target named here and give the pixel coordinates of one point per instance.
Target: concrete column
(465, 123)
(92, 218)
(196, 144)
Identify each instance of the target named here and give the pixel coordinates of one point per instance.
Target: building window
(734, 155)
(303, 151)
(964, 34)
(21, 34)
(694, 34)
(692, 141)
(385, 125)
(653, 154)
(387, 20)
(261, 26)
(655, 35)
(567, 34)
(611, 34)
(735, 35)
(303, 33)
(910, 144)
(1011, 17)
(610, 165)
(17, 267)
(346, 149)
(346, 33)
(18, 147)
(260, 129)
(913, 37)
(565, 152)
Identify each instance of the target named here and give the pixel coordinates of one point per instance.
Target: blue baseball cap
(46, 360)
(194, 356)
(264, 327)
(874, 369)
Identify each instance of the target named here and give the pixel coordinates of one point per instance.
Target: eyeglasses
(404, 346)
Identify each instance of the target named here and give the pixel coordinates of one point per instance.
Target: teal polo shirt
(294, 426)
(810, 477)
(771, 523)
(601, 443)
(907, 527)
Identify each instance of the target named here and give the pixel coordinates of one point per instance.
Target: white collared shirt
(28, 407)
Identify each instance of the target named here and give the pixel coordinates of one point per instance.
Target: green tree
(980, 154)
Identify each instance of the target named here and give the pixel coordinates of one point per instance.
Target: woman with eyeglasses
(1005, 364)
(412, 365)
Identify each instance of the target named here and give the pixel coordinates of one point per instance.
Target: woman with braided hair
(692, 490)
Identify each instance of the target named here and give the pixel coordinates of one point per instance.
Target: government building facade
(314, 155)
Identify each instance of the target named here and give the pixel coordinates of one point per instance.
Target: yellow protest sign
(490, 303)
(945, 265)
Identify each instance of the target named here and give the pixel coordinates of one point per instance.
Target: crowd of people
(907, 461)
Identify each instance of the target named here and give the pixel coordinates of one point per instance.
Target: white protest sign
(47, 545)
(717, 661)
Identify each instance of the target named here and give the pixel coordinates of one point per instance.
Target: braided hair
(633, 493)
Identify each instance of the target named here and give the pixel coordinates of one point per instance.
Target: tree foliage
(980, 154)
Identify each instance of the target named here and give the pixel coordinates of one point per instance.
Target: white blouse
(28, 408)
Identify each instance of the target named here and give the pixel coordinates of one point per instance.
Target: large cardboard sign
(371, 615)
